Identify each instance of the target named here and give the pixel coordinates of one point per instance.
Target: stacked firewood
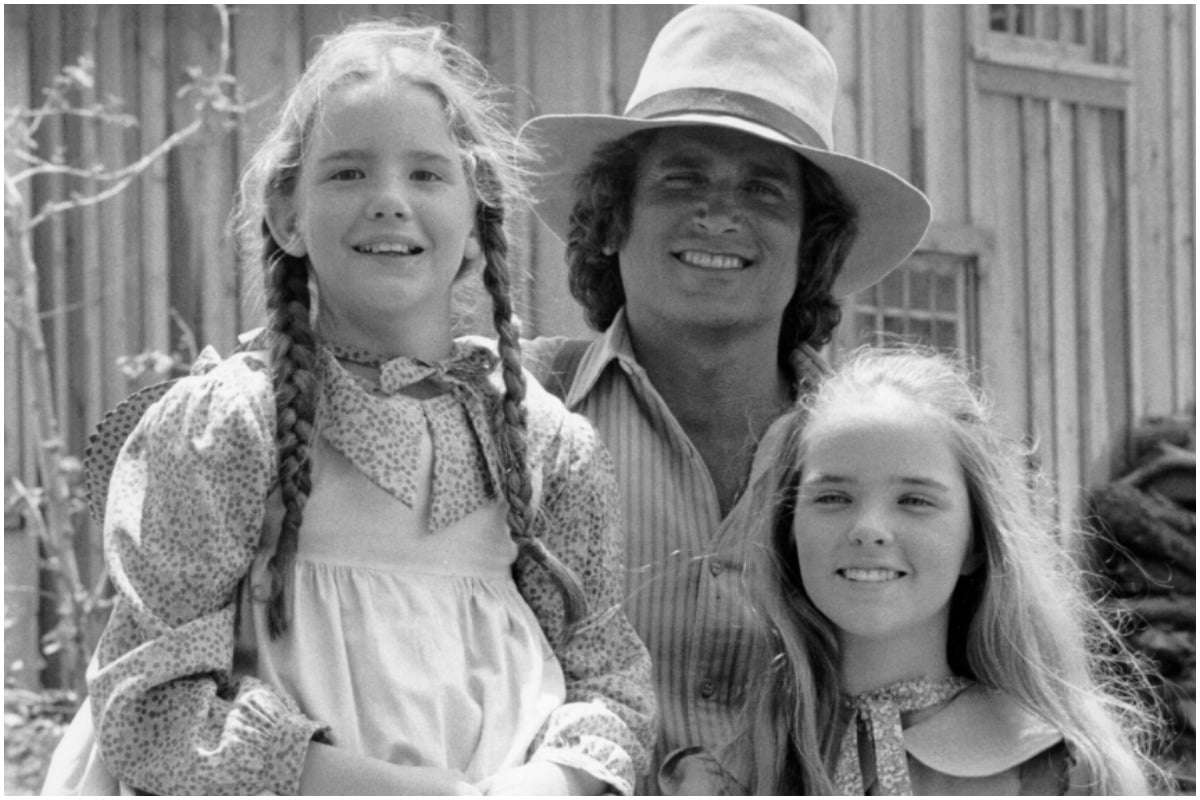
(1146, 548)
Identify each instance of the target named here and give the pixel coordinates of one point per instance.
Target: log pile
(1146, 548)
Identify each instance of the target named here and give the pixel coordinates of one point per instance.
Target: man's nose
(718, 210)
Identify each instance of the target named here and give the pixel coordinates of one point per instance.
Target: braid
(293, 350)
(509, 418)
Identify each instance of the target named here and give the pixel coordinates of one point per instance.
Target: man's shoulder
(553, 361)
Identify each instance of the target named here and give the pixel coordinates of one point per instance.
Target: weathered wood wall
(1071, 188)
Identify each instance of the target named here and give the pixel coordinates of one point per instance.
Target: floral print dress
(417, 633)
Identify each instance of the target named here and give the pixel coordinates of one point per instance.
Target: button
(715, 567)
(707, 689)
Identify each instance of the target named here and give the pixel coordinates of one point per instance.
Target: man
(709, 230)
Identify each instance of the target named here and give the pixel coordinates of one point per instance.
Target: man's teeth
(870, 575)
(400, 249)
(696, 258)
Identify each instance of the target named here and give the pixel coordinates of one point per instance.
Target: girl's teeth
(711, 260)
(375, 249)
(870, 575)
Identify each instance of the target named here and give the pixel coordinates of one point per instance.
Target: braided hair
(509, 416)
(491, 160)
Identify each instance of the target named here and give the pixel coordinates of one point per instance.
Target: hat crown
(745, 61)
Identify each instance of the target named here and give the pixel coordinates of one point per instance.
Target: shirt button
(707, 689)
(715, 567)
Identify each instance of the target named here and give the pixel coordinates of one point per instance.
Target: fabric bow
(877, 714)
(467, 366)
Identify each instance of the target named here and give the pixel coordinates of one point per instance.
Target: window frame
(975, 248)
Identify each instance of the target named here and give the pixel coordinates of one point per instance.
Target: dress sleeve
(182, 524)
(606, 725)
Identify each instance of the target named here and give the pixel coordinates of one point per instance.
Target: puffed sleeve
(182, 524)
(606, 725)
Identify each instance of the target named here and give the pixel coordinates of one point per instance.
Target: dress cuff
(618, 784)
(277, 737)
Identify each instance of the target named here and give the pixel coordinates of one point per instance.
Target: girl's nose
(870, 529)
(390, 201)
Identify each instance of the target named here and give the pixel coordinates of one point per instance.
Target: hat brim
(892, 215)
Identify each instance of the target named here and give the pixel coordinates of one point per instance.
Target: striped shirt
(684, 569)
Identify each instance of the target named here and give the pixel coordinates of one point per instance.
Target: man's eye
(681, 179)
(765, 189)
(347, 174)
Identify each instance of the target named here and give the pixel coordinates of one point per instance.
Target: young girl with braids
(929, 631)
(364, 556)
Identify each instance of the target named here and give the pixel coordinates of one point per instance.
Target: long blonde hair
(493, 162)
(1024, 623)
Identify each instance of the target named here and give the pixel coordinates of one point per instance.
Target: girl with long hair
(365, 556)
(930, 633)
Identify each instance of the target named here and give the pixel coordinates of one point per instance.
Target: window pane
(892, 290)
(919, 282)
(947, 293)
(934, 312)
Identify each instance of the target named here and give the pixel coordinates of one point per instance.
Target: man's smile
(706, 260)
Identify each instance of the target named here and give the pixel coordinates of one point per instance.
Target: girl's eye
(829, 498)
(916, 501)
(425, 175)
(347, 174)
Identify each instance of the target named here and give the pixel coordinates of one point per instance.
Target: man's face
(714, 234)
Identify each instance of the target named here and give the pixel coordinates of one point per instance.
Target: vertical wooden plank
(510, 57)
(21, 654)
(266, 41)
(84, 325)
(203, 196)
(1063, 299)
(997, 204)
(891, 88)
(1181, 135)
(1094, 398)
(940, 106)
(153, 229)
(17, 85)
(1039, 353)
(1149, 175)
(119, 328)
(1120, 338)
(565, 35)
(50, 239)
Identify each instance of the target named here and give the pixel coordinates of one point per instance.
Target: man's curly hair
(600, 222)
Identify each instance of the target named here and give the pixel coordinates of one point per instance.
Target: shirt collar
(614, 344)
(981, 732)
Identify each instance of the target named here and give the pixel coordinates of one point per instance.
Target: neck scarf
(380, 431)
(877, 715)
(466, 368)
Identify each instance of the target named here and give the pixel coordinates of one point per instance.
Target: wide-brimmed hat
(751, 70)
